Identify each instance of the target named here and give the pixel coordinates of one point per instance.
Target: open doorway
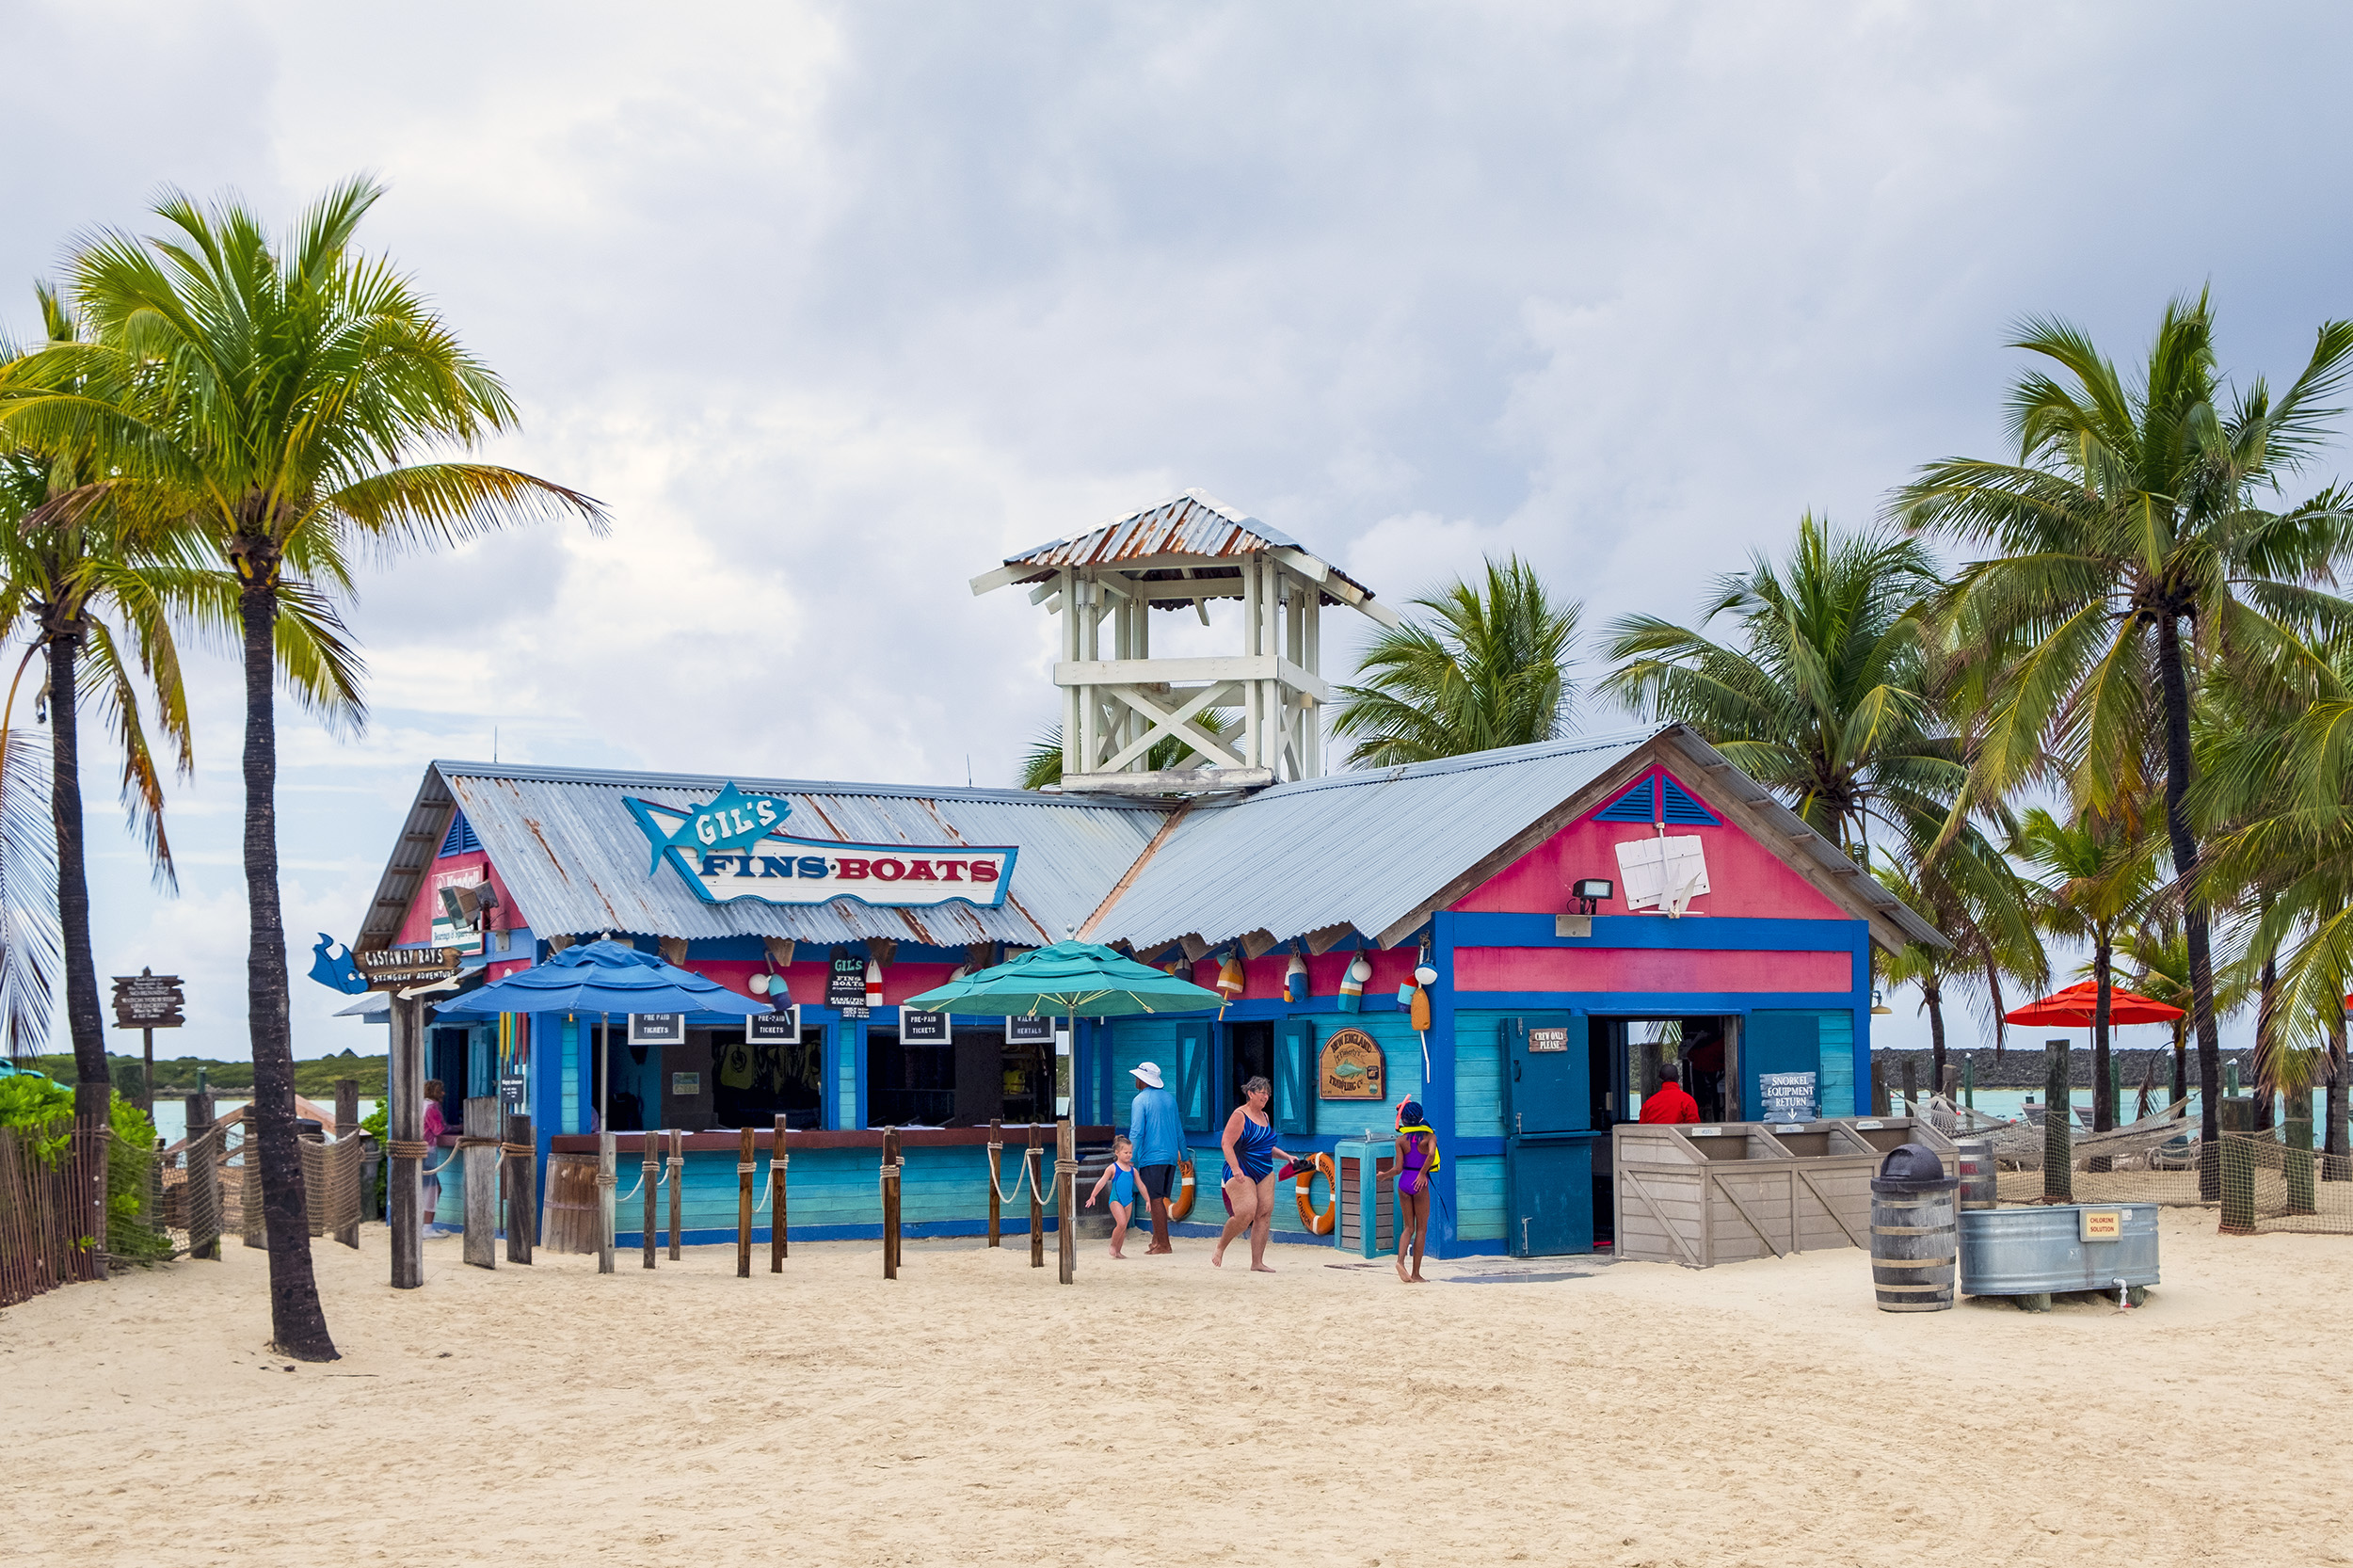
(1249, 1053)
(1632, 1057)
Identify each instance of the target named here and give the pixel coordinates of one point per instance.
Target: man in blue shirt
(1158, 1132)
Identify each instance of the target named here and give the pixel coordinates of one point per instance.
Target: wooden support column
(608, 1184)
(204, 1174)
(650, 1177)
(404, 1132)
(891, 1202)
(1038, 1204)
(346, 1125)
(523, 1190)
(678, 1182)
(2058, 1125)
(779, 1169)
(743, 1208)
(1067, 1198)
(481, 1153)
(995, 1174)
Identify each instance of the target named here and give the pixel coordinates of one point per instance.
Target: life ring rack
(1319, 1221)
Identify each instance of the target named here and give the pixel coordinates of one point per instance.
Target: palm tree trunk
(2185, 846)
(93, 1090)
(2181, 1059)
(2102, 1010)
(297, 1323)
(2267, 1041)
(2333, 1137)
(1934, 994)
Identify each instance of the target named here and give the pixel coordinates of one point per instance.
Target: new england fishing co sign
(733, 846)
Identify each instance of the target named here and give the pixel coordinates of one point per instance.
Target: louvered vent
(1636, 805)
(1681, 807)
(460, 840)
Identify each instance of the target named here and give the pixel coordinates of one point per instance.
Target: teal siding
(1479, 1198)
(1401, 1050)
(849, 1047)
(1135, 1041)
(1479, 1074)
(574, 1122)
(1837, 1088)
(829, 1186)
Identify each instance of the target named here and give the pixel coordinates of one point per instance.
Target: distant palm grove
(2095, 687)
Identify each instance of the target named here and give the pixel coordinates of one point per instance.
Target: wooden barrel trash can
(1972, 1166)
(1915, 1235)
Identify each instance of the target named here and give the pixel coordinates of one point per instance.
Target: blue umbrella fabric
(1066, 980)
(603, 977)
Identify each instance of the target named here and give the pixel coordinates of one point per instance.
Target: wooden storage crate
(1367, 1225)
(1721, 1193)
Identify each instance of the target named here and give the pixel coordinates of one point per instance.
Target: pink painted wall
(805, 983)
(1649, 969)
(417, 926)
(1747, 880)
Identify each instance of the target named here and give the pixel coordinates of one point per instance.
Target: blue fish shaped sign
(337, 974)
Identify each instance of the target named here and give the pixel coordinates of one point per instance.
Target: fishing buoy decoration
(1353, 984)
(1424, 977)
(873, 983)
(1317, 1221)
(1230, 982)
(1295, 977)
(760, 984)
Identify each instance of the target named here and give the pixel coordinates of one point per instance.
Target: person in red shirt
(1670, 1105)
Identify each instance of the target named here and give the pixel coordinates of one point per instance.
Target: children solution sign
(733, 846)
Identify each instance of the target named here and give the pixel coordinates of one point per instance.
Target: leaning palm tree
(269, 399)
(2130, 544)
(1489, 668)
(2098, 879)
(1825, 698)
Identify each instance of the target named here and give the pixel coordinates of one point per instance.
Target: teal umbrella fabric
(1066, 980)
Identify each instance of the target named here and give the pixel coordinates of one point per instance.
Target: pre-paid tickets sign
(733, 846)
(148, 1001)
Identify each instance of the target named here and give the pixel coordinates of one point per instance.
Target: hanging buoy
(873, 983)
(1406, 989)
(760, 986)
(1317, 1221)
(1353, 984)
(1424, 976)
(1230, 982)
(1421, 1008)
(1295, 978)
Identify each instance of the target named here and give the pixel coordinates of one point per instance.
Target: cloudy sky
(834, 305)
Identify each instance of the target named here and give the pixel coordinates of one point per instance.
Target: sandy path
(1166, 1412)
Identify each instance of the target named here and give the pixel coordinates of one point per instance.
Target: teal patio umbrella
(1072, 980)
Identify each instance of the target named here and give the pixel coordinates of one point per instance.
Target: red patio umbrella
(2072, 1008)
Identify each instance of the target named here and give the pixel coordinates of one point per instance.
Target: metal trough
(2055, 1249)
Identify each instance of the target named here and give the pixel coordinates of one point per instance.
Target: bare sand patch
(1163, 1411)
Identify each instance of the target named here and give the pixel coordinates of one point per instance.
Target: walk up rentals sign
(733, 846)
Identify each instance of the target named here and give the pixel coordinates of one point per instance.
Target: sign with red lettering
(733, 847)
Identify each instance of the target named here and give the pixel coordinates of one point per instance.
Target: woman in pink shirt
(434, 1127)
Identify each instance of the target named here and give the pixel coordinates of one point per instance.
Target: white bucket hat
(1148, 1073)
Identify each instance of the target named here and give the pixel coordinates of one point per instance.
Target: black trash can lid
(1911, 1168)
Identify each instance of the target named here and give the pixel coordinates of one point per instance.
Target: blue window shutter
(1677, 805)
(461, 839)
(1636, 805)
(1192, 1074)
(1294, 1107)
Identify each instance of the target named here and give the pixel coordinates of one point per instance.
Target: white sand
(1165, 1411)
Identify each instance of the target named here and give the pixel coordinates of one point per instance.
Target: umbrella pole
(1066, 1158)
(606, 1179)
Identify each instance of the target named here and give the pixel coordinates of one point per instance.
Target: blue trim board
(1692, 932)
(625, 1241)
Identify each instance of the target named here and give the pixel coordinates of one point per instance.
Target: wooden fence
(41, 1246)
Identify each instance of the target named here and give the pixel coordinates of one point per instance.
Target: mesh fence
(2270, 1186)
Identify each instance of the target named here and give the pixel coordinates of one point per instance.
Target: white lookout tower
(1119, 702)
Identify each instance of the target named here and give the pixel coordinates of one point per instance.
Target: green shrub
(43, 1109)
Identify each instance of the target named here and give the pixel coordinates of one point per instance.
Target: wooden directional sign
(148, 1001)
(391, 968)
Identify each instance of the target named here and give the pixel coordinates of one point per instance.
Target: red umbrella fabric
(2072, 1008)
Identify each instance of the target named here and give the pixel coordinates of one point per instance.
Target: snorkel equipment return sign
(733, 847)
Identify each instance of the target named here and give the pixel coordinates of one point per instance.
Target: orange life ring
(1181, 1193)
(1319, 1221)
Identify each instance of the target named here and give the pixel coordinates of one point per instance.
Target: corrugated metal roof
(1378, 850)
(1192, 522)
(576, 861)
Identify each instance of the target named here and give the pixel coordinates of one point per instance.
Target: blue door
(1546, 1085)
(1549, 1185)
(1778, 1042)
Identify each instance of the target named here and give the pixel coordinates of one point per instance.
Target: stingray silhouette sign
(733, 846)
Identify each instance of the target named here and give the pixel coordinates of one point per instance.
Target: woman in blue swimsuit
(1249, 1181)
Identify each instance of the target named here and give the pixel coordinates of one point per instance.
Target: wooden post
(780, 1163)
(607, 1184)
(1911, 1087)
(522, 1189)
(346, 1125)
(996, 1173)
(1067, 1198)
(405, 1134)
(1878, 1086)
(678, 1180)
(891, 1202)
(482, 1181)
(2296, 1132)
(2234, 1164)
(1038, 1204)
(2058, 1125)
(146, 1077)
(204, 1175)
(744, 1209)
(650, 1177)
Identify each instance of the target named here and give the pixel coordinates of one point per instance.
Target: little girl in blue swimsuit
(1120, 1176)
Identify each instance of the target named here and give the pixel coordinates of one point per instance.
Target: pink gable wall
(1650, 969)
(1747, 880)
(417, 926)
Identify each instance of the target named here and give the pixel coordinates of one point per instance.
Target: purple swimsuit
(1413, 1181)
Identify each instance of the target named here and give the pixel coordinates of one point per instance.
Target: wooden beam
(1164, 672)
(989, 582)
(1625, 1174)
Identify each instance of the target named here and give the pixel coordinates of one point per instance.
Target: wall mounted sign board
(1548, 1039)
(1788, 1097)
(391, 968)
(657, 1029)
(923, 1029)
(845, 987)
(685, 1086)
(733, 847)
(781, 1028)
(1029, 1031)
(1351, 1067)
(148, 1002)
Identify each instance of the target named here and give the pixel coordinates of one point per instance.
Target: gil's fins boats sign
(733, 846)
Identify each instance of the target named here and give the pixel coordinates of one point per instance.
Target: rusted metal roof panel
(575, 859)
(1191, 523)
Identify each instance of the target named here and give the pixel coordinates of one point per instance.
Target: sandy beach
(1163, 1411)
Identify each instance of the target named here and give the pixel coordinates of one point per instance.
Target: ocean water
(171, 1116)
(2010, 1104)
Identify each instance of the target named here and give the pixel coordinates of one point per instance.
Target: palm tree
(1987, 918)
(268, 399)
(2099, 876)
(2159, 955)
(1826, 699)
(1041, 765)
(2135, 506)
(1491, 670)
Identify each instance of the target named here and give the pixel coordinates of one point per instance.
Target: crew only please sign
(733, 847)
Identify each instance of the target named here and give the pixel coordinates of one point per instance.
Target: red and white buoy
(873, 983)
